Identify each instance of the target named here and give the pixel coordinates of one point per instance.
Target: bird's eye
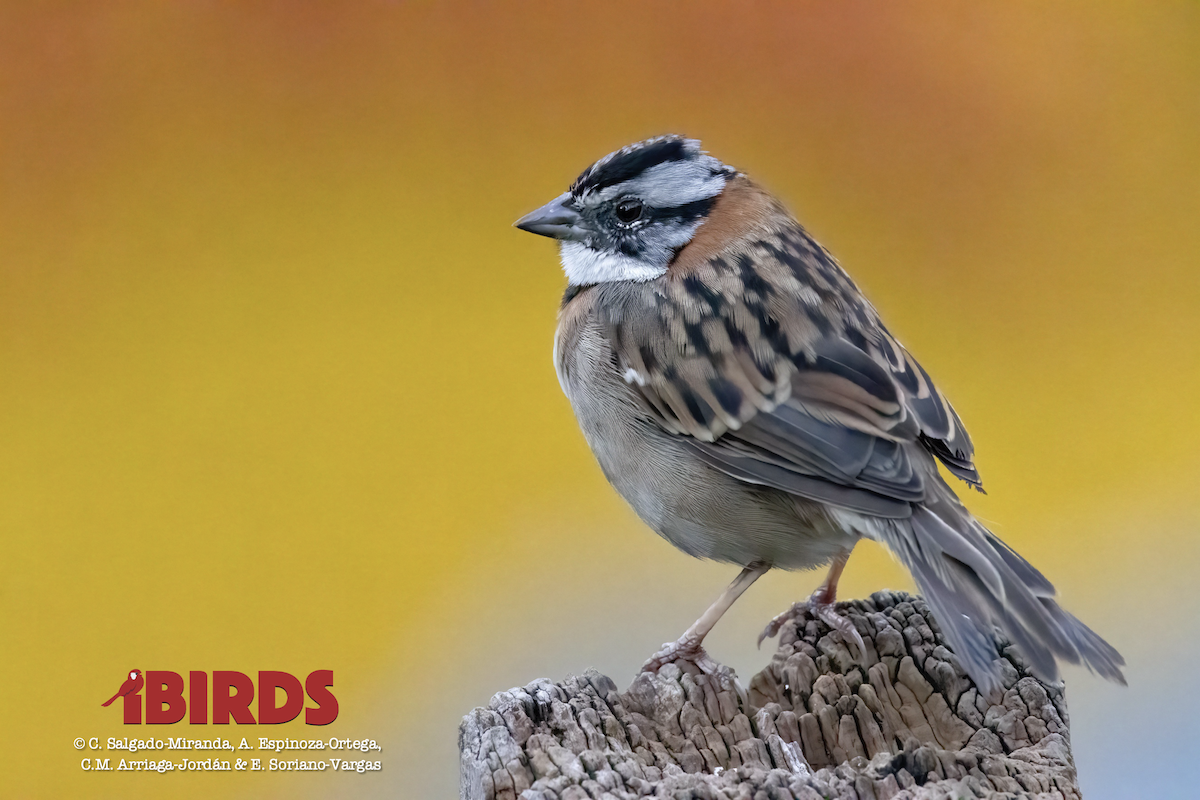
(629, 211)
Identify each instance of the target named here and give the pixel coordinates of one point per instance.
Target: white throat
(585, 266)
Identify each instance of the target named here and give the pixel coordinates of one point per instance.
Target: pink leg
(689, 646)
(821, 605)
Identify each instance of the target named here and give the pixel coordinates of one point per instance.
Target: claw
(688, 647)
(820, 607)
(841, 625)
(776, 624)
(685, 649)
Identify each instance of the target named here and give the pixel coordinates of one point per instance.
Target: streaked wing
(780, 373)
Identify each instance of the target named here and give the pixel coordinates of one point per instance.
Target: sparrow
(744, 397)
(131, 685)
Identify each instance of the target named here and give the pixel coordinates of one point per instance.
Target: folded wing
(778, 372)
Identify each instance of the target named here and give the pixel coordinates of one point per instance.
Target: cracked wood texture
(904, 723)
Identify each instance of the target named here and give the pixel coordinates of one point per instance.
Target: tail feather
(1028, 574)
(975, 583)
(1097, 654)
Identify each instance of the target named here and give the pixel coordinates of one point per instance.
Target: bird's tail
(975, 583)
(110, 700)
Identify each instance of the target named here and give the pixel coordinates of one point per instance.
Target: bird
(745, 398)
(131, 685)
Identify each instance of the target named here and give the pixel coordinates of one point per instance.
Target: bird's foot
(686, 648)
(820, 606)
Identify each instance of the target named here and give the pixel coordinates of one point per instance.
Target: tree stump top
(904, 722)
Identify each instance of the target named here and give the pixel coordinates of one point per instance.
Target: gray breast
(700, 510)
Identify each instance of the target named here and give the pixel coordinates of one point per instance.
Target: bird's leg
(820, 604)
(689, 646)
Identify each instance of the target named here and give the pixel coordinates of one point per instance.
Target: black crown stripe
(629, 162)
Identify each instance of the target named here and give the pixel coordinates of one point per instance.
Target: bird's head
(628, 214)
(134, 674)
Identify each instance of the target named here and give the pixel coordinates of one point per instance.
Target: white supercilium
(673, 183)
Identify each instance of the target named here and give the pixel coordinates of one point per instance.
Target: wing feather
(777, 371)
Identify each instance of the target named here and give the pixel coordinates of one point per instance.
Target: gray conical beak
(556, 219)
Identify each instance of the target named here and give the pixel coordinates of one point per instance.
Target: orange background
(275, 381)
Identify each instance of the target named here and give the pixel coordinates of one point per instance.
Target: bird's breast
(701, 511)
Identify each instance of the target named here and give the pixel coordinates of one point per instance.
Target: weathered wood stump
(904, 722)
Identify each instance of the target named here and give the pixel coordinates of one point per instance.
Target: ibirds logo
(232, 693)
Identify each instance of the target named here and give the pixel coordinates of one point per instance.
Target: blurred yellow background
(275, 380)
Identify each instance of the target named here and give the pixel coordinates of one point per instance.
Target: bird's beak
(556, 219)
